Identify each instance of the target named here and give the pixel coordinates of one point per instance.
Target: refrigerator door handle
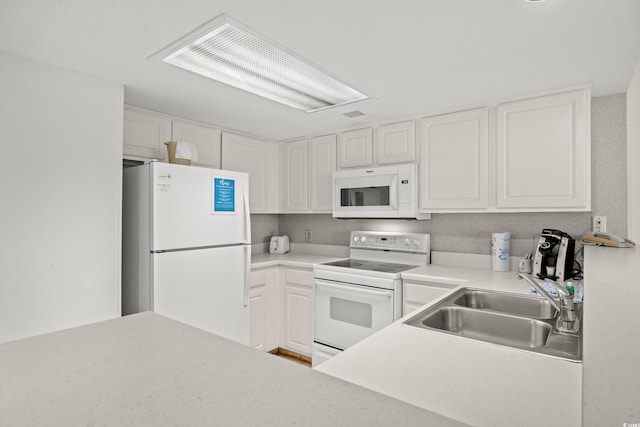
(247, 213)
(247, 274)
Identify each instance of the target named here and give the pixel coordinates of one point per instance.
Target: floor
(292, 356)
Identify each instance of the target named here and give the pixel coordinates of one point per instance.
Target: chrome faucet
(567, 320)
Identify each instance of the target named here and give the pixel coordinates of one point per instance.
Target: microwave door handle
(393, 196)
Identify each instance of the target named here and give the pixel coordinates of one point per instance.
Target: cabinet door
(294, 170)
(245, 154)
(415, 295)
(298, 311)
(396, 143)
(258, 310)
(144, 133)
(322, 164)
(206, 139)
(454, 161)
(355, 148)
(543, 152)
(263, 306)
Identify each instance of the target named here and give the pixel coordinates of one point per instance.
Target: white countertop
(469, 277)
(290, 259)
(474, 382)
(147, 370)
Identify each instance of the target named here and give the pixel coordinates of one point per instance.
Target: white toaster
(279, 245)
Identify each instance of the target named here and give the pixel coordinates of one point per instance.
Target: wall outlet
(307, 236)
(599, 224)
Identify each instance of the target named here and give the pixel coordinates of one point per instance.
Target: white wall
(60, 186)
(633, 155)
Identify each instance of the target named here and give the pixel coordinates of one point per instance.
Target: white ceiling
(412, 57)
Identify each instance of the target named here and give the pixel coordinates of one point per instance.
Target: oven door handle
(351, 288)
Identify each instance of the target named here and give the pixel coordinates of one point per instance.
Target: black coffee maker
(554, 256)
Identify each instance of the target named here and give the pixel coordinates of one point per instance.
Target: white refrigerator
(187, 246)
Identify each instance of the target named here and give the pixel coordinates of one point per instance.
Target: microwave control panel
(405, 193)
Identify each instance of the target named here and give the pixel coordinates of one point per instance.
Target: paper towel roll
(500, 251)
(187, 151)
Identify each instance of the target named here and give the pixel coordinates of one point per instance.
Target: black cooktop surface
(359, 264)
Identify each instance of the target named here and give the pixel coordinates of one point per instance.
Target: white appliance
(187, 246)
(357, 296)
(377, 192)
(279, 245)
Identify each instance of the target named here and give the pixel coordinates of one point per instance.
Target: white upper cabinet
(206, 139)
(295, 172)
(454, 161)
(259, 159)
(543, 153)
(355, 148)
(144, 133)
(396, 143)
(528, 155)
(322, 164)
(307, 173)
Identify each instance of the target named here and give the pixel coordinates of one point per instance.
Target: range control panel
(396, 241)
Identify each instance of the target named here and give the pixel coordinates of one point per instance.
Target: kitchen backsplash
(471, 233)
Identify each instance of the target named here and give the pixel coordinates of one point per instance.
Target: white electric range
(357, 296)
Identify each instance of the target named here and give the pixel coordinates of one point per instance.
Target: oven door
(346, 314)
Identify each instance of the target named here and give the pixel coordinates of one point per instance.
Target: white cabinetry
(527, 155)
(259, 159)
(206, 139)
(295, 171)
(543, 152)
(454, 161)
(393, 143)
(307, 168)
(297, 322)
(263, 303)
(396, 143)
(144, 133)
(355, 148)
(416, 294)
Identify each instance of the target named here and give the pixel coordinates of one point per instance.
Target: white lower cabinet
(281, 303)
(263, 304)
(416, 294)
(297, 321)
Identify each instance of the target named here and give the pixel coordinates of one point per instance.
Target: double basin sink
(507, 319)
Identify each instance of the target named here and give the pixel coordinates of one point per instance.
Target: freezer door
(205, 288)
(198, 207)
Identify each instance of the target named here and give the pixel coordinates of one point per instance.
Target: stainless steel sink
(492, 327)
(520, 305)
(512, 320)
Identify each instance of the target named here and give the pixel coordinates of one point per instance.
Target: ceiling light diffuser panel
(226, 51)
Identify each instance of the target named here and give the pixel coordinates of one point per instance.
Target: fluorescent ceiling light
(227, 52)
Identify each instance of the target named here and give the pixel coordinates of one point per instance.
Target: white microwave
(377, 192)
